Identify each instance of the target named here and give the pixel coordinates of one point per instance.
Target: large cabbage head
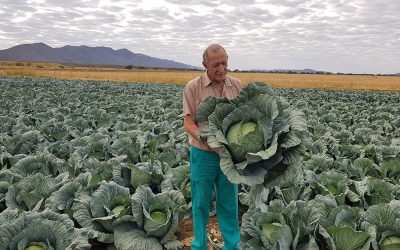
(244, 137)
(258, 132)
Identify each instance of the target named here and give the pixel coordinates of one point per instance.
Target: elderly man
(205, 171)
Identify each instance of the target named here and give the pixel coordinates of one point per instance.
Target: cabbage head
(266, 230)
(259, 134)
(179, 179)
(244, 133)
(98, 211)
(390, 242)
(44, 230)
(157, 217)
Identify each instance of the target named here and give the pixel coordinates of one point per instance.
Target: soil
(184, 232)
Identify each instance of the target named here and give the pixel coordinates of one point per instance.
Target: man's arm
(190, 126)
(192, 129)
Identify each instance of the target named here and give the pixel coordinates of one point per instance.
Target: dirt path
(184, 233)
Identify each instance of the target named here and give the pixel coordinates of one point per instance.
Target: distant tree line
(266, 71)
(159, 68)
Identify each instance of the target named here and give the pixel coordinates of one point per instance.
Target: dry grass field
(354, 82)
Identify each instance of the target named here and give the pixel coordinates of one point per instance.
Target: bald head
(211, 49)
(215, 60)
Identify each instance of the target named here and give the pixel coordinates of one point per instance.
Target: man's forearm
(190, 126)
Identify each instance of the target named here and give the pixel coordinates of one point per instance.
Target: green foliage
(72, 156)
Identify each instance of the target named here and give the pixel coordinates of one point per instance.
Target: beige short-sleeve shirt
(199, 89)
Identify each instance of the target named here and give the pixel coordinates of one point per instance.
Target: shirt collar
(205, 80)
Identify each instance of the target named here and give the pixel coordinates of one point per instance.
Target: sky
(347, 36)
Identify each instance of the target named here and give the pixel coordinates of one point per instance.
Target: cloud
(339, 36)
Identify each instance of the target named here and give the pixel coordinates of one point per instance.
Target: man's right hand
(208, 148)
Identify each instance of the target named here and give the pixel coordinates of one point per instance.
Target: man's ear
(204, 64)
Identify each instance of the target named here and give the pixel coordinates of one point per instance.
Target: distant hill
(40, 52)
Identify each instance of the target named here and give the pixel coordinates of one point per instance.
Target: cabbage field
(105, 165)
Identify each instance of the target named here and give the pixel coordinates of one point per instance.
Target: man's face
(217, 66)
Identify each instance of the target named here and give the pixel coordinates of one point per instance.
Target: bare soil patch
(184, 233)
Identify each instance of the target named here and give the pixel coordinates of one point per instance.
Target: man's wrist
(200, 136)
(197, 135)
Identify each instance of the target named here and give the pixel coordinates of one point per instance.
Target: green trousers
(205, 174)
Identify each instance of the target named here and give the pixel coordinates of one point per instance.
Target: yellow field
(355, 82)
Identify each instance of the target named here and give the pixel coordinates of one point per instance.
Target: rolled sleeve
(187, 101)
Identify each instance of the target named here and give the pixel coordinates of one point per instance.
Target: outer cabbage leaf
(23, 143)
(148, 173)
(127, 236)
(46, 164)
(7, 178)
(383, 216)
(61, 200)
(7, 160)
(179, 179)
(26, 194)
(346, 238)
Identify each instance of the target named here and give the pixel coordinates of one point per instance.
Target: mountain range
(85, 55)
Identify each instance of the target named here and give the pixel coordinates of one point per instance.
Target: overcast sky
(357, 36)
